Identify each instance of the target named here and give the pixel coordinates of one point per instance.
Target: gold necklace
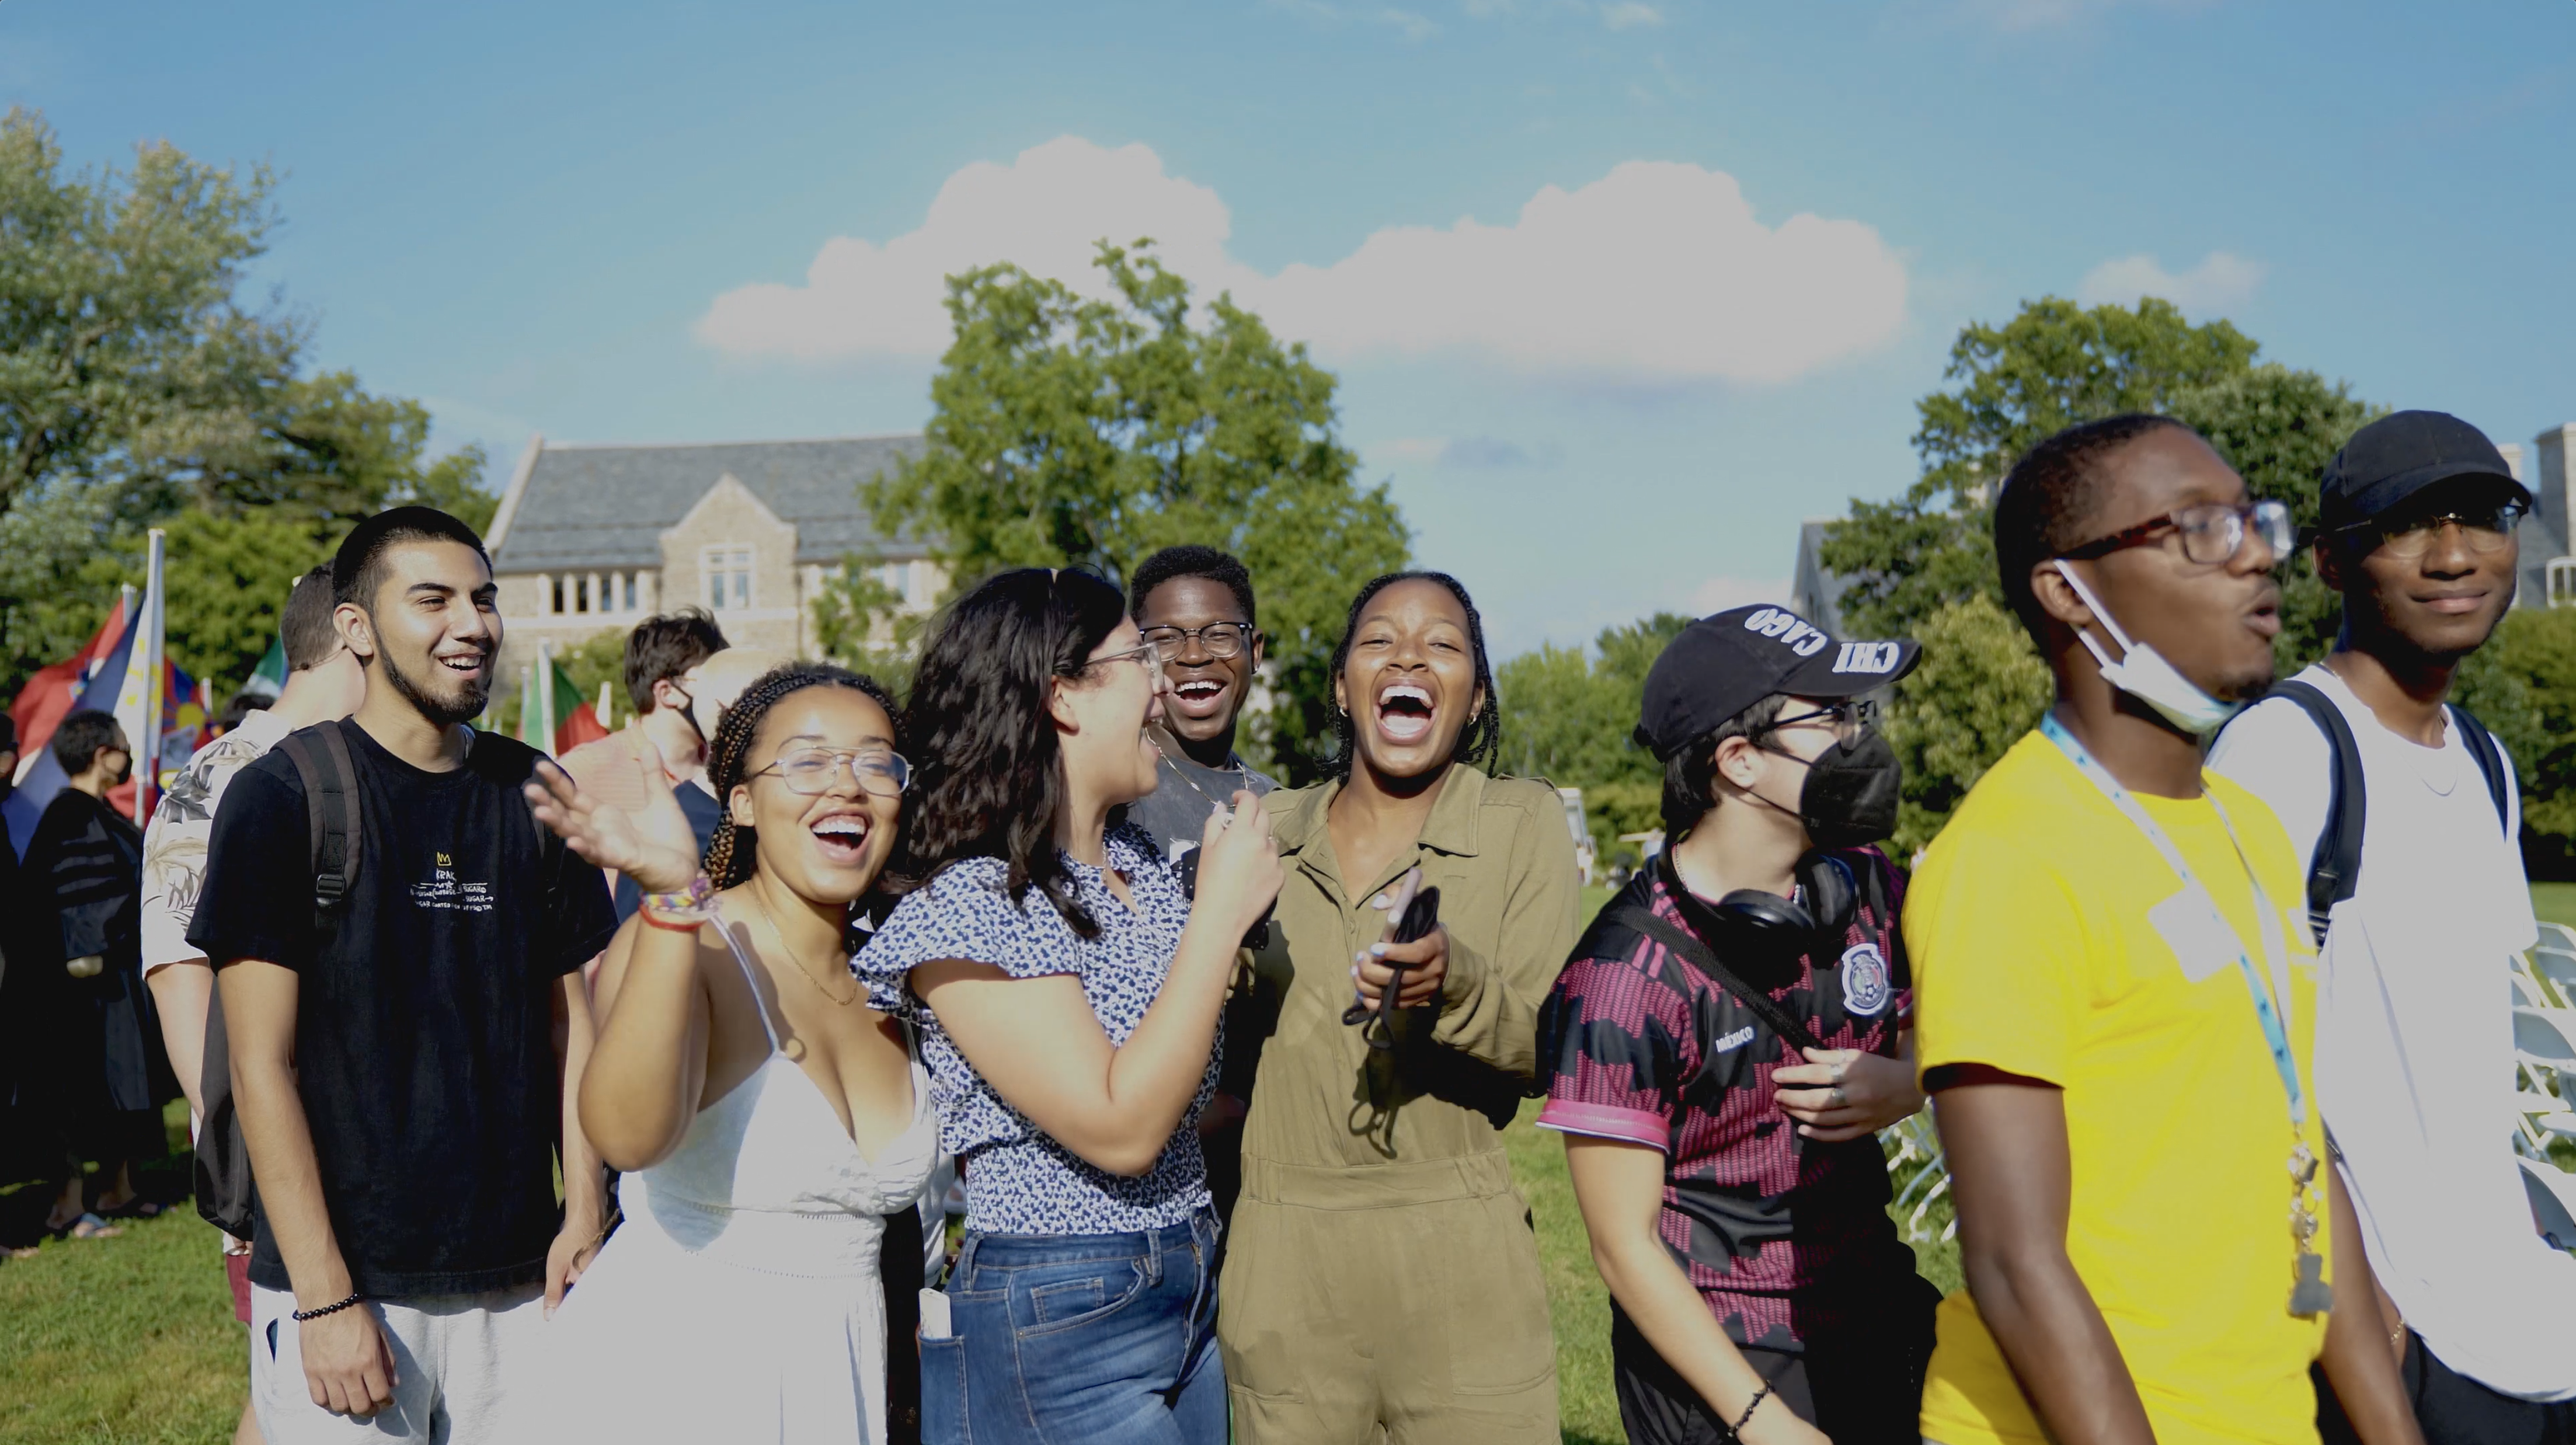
(801, 970)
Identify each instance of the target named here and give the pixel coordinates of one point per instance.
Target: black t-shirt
(424, 1035)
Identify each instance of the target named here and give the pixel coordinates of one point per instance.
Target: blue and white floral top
(1018, 1180)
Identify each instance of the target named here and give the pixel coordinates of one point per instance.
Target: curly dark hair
(988, 777)
(1481, 741)
(731, 849)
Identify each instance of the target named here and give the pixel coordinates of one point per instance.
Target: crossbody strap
(2489, 758)
(1700, 956)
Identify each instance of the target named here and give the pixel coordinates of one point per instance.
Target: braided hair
(989, 769)
(731, 850)
(1481, 741)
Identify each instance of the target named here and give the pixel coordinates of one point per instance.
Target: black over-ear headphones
(1770, 933)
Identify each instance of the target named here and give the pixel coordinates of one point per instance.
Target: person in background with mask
(660, 654)
(2115, 995)
(323, 681)
(100, 1057)
(1722, 1141)
(2414, 1017)
(1381, 1271)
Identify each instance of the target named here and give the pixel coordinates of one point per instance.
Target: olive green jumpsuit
(1382, 1279)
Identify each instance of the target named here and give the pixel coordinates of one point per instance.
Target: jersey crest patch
(1865, 990)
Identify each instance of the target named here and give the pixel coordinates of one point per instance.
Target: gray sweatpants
(455, 1356)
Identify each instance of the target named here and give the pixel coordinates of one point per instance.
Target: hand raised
(1239, 872)
(656, 847)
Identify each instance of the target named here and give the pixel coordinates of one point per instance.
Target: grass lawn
(2554, 902)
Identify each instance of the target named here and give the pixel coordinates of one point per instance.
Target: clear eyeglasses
(810, 770)
(2485, 529)
(2212, 532)
(1221, 639)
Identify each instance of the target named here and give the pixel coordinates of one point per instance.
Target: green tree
(136, 390)
(1914, 563)
(1568, 717)
(1070, 431)
(2522, 685)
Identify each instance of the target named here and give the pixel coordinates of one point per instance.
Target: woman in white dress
(766, 1119)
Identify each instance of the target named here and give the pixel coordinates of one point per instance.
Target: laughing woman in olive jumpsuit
(1381, 1272)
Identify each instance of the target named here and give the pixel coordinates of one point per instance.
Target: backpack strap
(2490, 761)
(2334, 868)
(322, 763)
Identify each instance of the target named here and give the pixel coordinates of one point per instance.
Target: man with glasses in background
(2406, 813)
(1194, 604)
(2114, 998)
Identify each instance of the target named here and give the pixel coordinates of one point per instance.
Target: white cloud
(1629, 14)
(1476, 453)
(2221, 280)
(1656, 270)
(1407, 24)
(1717, 594)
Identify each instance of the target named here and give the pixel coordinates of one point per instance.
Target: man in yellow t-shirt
(2114, 998)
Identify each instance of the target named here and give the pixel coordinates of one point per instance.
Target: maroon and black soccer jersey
(1780, 1234)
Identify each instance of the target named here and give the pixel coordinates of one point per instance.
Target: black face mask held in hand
(1849, 798)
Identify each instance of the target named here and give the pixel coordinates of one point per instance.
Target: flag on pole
(38, 783)
(144, 691)
(48, 696)
(269, 678)
(564, 718)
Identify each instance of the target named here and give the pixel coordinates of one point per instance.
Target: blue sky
(1550, 247)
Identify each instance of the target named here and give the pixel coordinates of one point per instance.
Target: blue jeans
(1102, 1339)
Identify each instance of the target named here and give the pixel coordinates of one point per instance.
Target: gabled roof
(607, 506)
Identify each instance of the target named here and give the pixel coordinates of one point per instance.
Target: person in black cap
(1727, 1039)
(2406, 811)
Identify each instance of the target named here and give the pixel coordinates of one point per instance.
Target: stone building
(590, 538)
(2548, 568)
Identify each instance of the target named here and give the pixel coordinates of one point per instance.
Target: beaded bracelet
(695, 903)
(1736, 1430)
(300, 1316)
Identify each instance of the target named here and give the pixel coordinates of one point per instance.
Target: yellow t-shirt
(2033, 953)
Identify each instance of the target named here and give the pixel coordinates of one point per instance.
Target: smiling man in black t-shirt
(403, 1066)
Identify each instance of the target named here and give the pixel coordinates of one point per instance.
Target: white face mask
(2143, 673)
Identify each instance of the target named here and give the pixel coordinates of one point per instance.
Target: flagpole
(149, 643)
(546, 696)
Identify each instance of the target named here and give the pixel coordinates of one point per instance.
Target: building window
(2562, 582)
(556, 587)
(626, 588)
(728, 574)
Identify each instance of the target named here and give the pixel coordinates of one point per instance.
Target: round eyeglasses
(1220, 639)
(810, 770)
(2484, 529)
(2212, 532)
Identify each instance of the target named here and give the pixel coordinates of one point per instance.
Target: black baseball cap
(1721, 665)
(2399, 455)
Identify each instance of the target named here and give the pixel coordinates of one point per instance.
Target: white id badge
(2202, 943)
(934, 1315)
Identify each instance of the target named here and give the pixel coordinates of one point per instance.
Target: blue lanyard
(2275, 946)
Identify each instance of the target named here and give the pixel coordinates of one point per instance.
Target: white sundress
(740, 1300)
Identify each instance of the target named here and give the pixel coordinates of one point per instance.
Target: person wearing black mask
(1726, 1040)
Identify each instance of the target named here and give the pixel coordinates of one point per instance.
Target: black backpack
(2334, 870)
(225, 1194)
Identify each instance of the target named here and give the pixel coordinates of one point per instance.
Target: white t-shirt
(174, 845)
(2415, 1034)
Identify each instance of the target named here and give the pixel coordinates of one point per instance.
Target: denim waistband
(1019, 1251)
